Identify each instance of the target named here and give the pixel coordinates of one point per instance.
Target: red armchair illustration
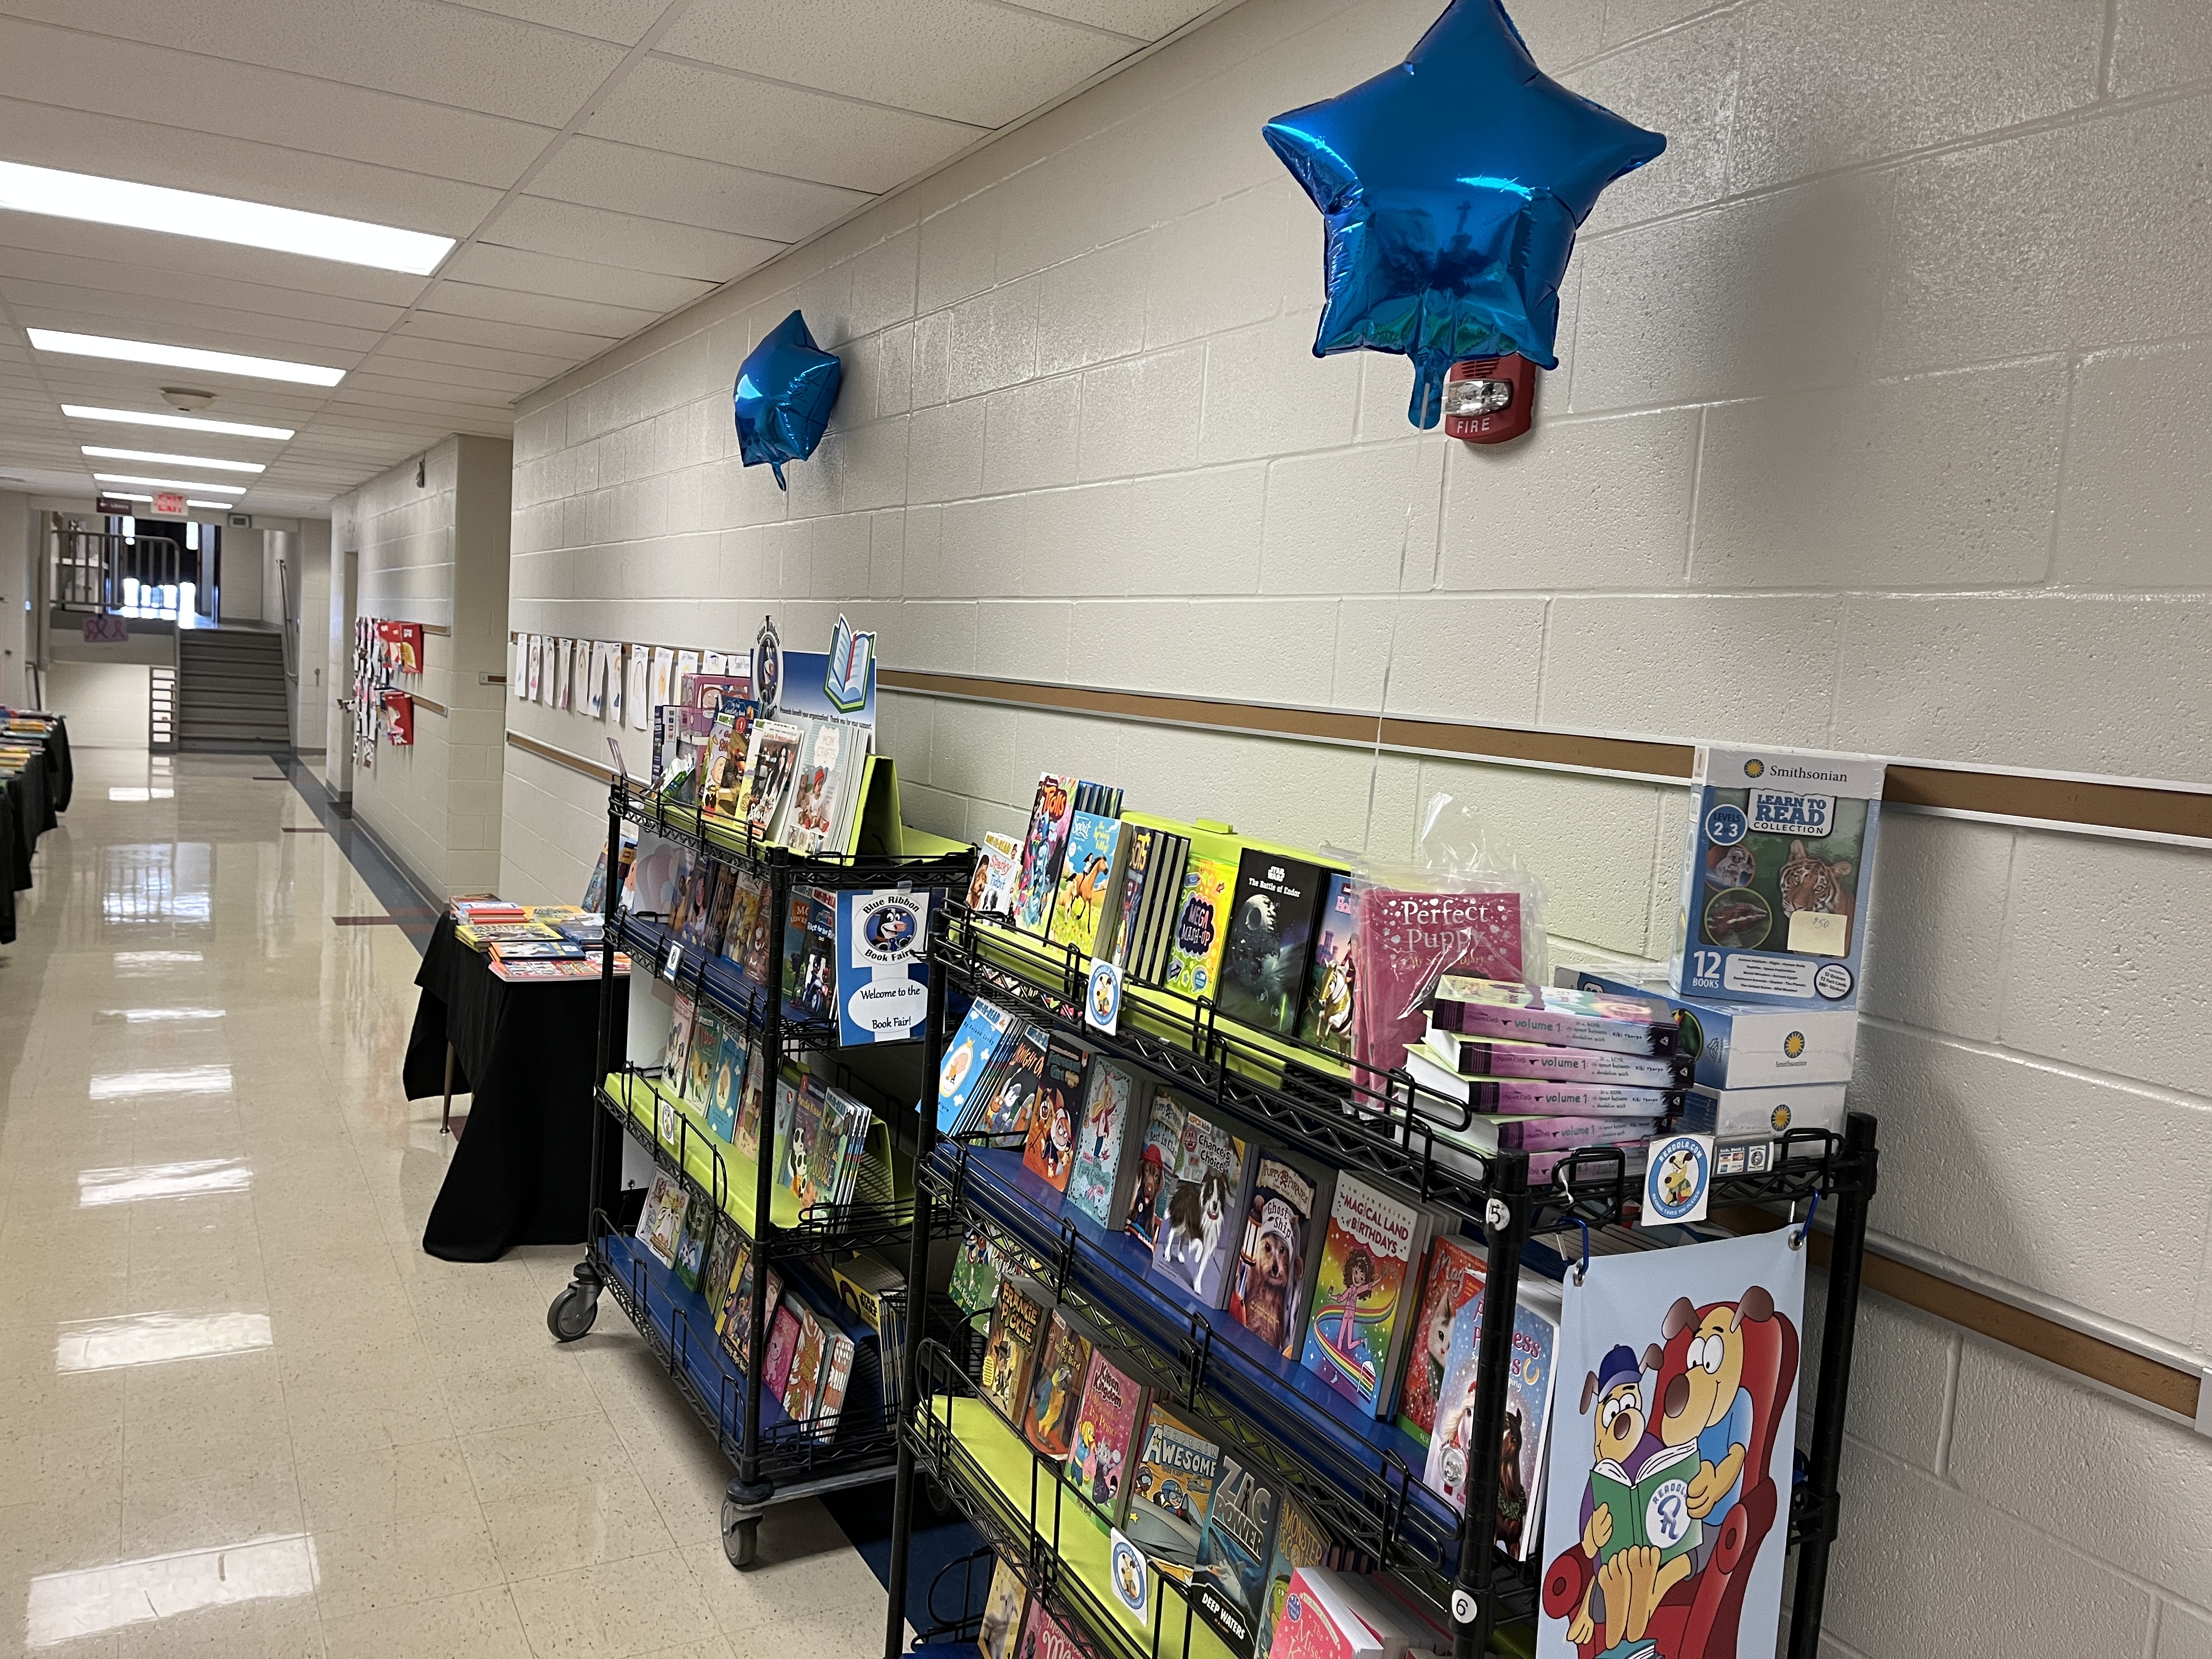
(1712, 1355)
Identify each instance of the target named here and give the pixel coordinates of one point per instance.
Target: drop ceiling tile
(623, 20)
(572, 279)
(690, 109)
(363, 399)
(1143, 19)
(427, 322)
(115, 147)
(683, 190)
(213, 95)
(447, 54)
(109, 275)
(480, 385)
(543, 226)
(141, 317)
(530, 366)
(965, 60)
(76, 239)
(538, 310)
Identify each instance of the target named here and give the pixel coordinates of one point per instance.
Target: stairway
(231, 691)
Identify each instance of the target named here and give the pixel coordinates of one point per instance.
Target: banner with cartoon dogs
(1667, 1507)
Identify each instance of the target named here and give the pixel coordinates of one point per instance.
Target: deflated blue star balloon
(785, 389)
(1451, 187)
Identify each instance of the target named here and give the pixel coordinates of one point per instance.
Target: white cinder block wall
(1881, 422)
(437, 553)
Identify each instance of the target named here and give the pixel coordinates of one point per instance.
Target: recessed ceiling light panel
(169, 484)
(98, 453)
(218, 219)
(169, 356)
(180, 423)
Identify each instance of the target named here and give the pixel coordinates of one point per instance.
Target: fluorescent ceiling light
(171, 483)
(189, 501)
(171, 460)
(169, 356)
(218, 219)
(119, 496)
(181, 422)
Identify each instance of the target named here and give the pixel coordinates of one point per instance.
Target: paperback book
(810, 956)
(1271, 937)
(997, 866)
(705, 1049)
(1301, 1542)
(1473, 1007)
(1106, 1424)
(975, 1285)
(1128, 906)
(1159, 1155)
(1154, 941)
(661, 1221)
(1267, 1295)
(1081, 903)
(679, 1041)
(1408, 941)
(1527, 1422)
(1199, 936)
(1360, 1315)
(1454, 1278)
(1044, 1637)
(1199, 1232)
(968, 1060)
(1006, 1110)
(1177, 1467)
(1056, 1379)
(728, 1084)
(1098, 1188)
(1481, 1056)
(1234, 1548)
(1049, 1151)
(1043, 849)
(693, 1239)
(1018, 1324)
(1332, 987)
(769, 766)
(1002, 1610)
(1537, 1097)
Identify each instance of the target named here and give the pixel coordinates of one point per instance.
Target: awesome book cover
(1271, 931)
(1172, 1487)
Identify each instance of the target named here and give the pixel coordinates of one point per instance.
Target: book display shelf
(1359, 1478)
(774, 1459)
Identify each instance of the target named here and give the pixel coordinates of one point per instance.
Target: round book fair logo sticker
(1724, 825)
(1676, 1178)
(1102, 1007)
(1130, 1576)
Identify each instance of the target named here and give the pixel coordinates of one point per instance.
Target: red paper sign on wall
(400, 719)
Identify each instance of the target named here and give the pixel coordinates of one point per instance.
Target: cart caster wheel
(740, 1535)
(573, 1312)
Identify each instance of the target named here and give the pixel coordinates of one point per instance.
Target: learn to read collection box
(1734, 1047)
(1777, 877)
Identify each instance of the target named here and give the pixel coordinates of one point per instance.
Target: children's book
(679, 1039)
(968, 1060)
(744, 1133)
(706, 1052)
(723, 779)
(1056, 1379)
(729, 1084)
(801, 1387)
(1002, 1610)
(661, 1221)
(1201, 930)
(1007, 1110)
(1201, 1225)
(1471, 1007)
(783, 1347)
(769, 766)
(1271, 937)
(1106, 1424)
(1043, 849)
(1083, 900)
(693, 1240)
(1164, 897)
(1016, 1326)
(801, 1166)
(722, 1263)
(1158, 1156)
(1044, 1637)
(1177, 1467)
(1453, 1278)
(974, 1273)
(1098, 1189)
(1408, 941)
(1527, 1423)
(1234, 1548)
(1049, 1152)
(736, 1309)
(1128, 904)
(1332, 987)
(810, 956)
(1316, 1622)
(748, 901)
(814, 798)
(1267, 1293)
(1360, 1315)
(997, 866)
(1301, 1542)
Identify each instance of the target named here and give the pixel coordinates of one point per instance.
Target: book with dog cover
(1099, 1188)
(1276, 1256)
(1049, 1152)
(1002, 1612)
(1152, 1178)
(1271, 940)
(1056, 1378)
(1332, 987)
(1360, 1313)
(1453, 1278)
(1229, 1589)
(1201, 1214)
(1107, 1423)
(1016, 1326)
(1177, 1467)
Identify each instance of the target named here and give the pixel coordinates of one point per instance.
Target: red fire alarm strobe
(1488, 400)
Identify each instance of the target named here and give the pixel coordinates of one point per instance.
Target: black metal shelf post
(1385, 1127)
(792, 1461)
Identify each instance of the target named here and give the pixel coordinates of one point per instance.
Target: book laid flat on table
(1578, 1019)
(1489, 1056)
(1099, 1188)
(1272, 1272)
(1454, 1278)
(1177, 1467)
(1107, 1423)
(1271, 936)
(1202, 1212)
(1538, 1096)
(1234, 1548)
(1056, 1378)
(1360, 1317)
(1018, 1326)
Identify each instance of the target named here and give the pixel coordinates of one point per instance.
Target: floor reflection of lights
(137, 964)
(183, 1080)
(156, 1338)
(92, 1601)
(156, 1015)
(126, 794)
(149, 1181)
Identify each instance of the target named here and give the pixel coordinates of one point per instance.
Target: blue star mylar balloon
(1451, 187)
(785, 389)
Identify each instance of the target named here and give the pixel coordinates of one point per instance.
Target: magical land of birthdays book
(1360, 1301)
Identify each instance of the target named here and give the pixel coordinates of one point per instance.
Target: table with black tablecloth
(29, 801)
(528, 1053)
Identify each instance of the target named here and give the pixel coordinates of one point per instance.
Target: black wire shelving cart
(775, 1461)
(1356, 1482)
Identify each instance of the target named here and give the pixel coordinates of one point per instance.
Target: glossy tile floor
(241, 1413)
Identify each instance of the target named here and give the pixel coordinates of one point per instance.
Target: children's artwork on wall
(1667, 1506)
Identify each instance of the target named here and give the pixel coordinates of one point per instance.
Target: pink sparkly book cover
(1408, 941)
